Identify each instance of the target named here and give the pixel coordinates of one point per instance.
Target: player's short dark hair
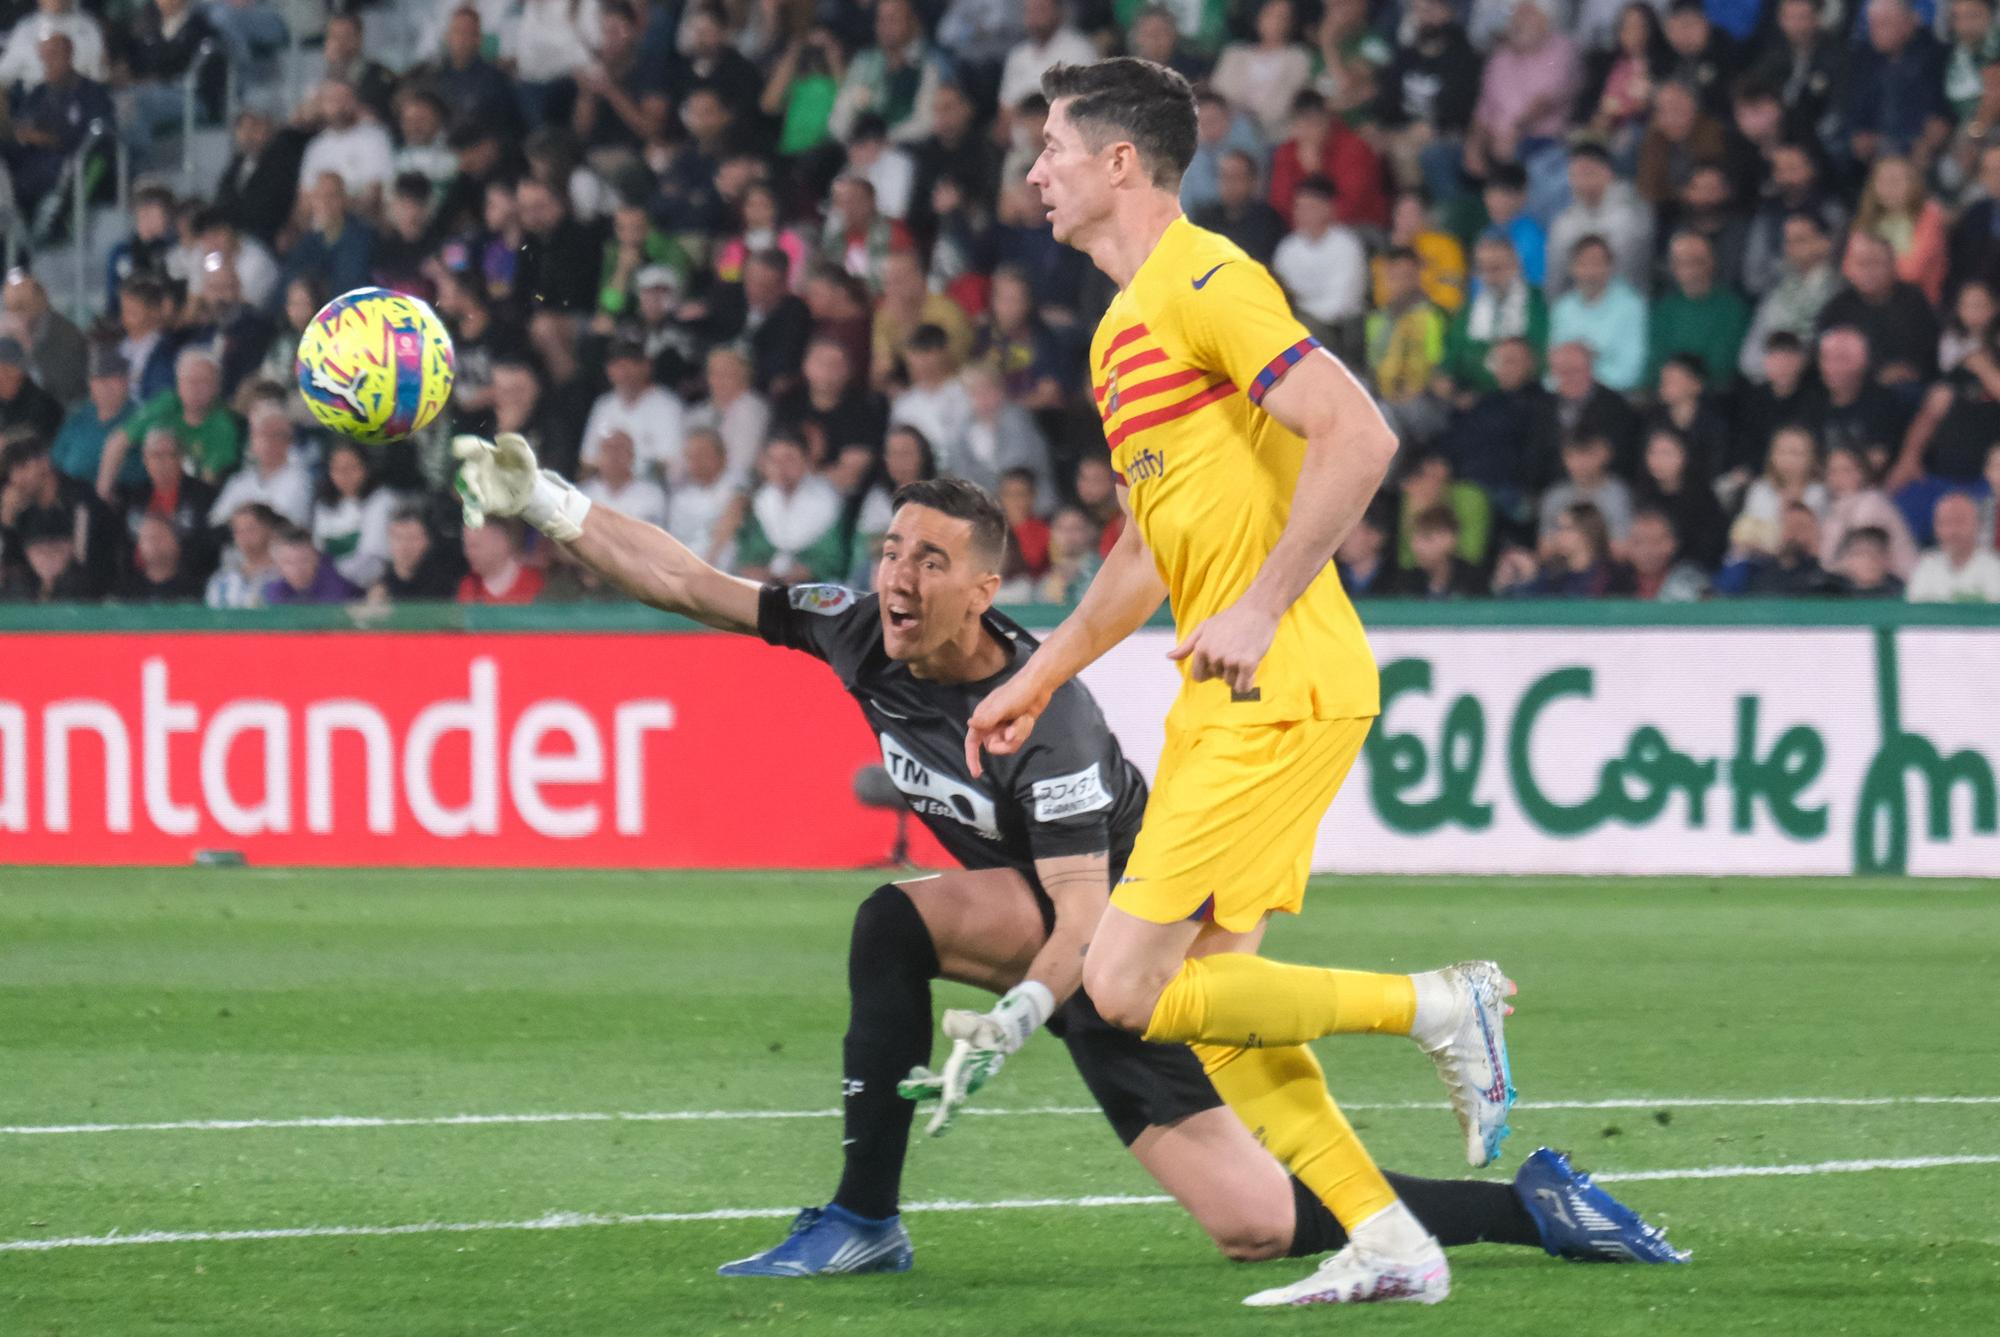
(963, 500)
(1784, 341)
(1507, 176)
(1396, 255)
(928, 339)
(1020, 475)
(291, 532)
(1135, 100)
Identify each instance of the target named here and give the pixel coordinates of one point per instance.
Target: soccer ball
(375, 365)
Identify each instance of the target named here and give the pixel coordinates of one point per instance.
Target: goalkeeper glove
(980, 1044)
(499, 477)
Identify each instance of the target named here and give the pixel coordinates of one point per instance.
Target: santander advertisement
(611, 750)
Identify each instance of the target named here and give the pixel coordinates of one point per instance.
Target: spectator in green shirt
(193, 410)
(1427, 484)
(1697, 316)
(1504, 305)
(79, 443)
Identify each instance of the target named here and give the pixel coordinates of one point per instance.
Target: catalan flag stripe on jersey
(1181, 377)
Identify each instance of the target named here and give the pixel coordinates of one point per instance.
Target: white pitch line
(577, 1220)
(1815, 1168)
(732, 1116)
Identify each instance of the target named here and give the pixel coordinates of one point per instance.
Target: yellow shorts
(1229, 829)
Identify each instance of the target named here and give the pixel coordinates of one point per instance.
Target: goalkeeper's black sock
(1455, 1211)
(890, 965)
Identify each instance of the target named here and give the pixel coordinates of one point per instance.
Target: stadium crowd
(1678, 300)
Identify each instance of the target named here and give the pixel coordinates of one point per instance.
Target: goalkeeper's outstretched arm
(500, 477)
(656, 568)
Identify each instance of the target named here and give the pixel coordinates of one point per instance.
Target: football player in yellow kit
(1245, 452)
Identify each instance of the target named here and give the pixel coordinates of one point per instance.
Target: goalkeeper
(1043, 836)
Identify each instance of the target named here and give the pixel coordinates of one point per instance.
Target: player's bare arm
(1125, 592)
(656, 568)
(1348, 449)
(500, 477)
(1079, 885)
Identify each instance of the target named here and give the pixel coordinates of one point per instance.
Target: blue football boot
(1581, 1222)
(829, 1240)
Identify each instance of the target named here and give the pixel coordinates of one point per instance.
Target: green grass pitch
(205, 996)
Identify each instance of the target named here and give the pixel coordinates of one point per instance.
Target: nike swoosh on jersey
(1202, 282)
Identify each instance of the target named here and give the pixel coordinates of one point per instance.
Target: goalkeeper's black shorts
(1137, 1084)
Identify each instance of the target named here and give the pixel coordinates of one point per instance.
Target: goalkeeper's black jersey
(1069, 791)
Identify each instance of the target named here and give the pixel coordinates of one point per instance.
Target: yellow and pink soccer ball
(375, 365)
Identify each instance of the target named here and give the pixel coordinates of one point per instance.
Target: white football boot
(1459, 1024)
(1372, 1269)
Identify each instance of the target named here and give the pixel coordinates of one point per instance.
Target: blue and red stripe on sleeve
(1278, 366)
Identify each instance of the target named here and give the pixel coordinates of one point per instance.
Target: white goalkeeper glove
(980, 1044)
(499, 477)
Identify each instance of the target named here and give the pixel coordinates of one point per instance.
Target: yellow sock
(1237, 999)
(1281, 1095)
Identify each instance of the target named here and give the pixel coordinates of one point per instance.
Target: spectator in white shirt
(1322, 264)
(792, 531)
(999, 437)
(269, 474)
(1050, 41)
(936, 403)
(349, 145)
(256, 269)
(1602, 206)
(426, 147)
(980, 31)
(21, 62)
(248, 564)
(1960, 569)
(615, 485)
(883, 165)
(551, 39)
(736, 414)
(706, 505)
(648, 414)
(1586, 461)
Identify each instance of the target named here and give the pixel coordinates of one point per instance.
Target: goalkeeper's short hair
(963, 500)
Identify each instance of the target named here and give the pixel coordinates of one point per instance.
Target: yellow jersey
(1180, 365)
